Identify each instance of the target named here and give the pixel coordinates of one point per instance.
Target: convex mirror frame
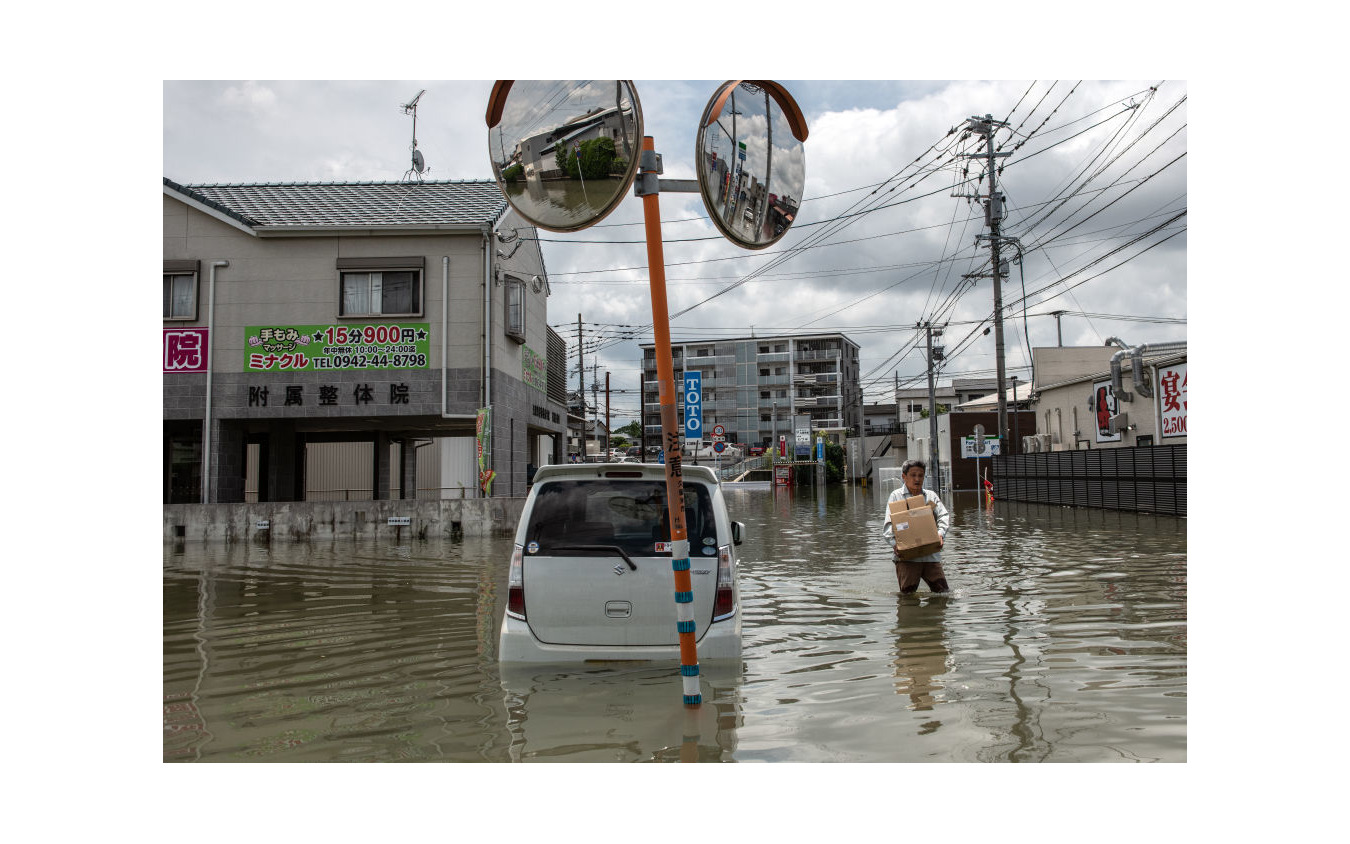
(751, 161)
(564, 152)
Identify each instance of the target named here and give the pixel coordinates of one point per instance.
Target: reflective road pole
(648, 187)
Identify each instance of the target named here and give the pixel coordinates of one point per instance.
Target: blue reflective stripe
(689, 670)
(693, 698)
(680, 565)
(684, 627)
(684, 597)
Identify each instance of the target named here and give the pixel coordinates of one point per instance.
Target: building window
(180, 289)
(515, 309)
(395, 293)
(380, 286)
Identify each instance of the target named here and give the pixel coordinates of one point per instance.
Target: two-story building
(405, 316)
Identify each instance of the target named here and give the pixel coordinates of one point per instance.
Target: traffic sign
(719, 446)
(719, 430)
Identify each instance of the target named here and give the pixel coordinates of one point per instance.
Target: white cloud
(881, 272)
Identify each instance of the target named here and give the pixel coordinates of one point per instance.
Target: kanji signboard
(310, 348)
(1172, 399)
(185, 349)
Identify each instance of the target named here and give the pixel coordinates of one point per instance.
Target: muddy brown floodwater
(1063, 639)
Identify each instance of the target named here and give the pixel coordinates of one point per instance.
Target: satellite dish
(419, 163)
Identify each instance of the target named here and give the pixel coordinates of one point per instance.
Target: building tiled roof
(352, 204)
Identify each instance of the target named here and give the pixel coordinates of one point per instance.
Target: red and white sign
(1104, 406)
(1172, 399)
(185, 349)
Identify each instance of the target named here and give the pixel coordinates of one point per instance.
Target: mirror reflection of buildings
(921, 653)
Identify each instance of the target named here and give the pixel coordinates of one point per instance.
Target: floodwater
(1063, 639)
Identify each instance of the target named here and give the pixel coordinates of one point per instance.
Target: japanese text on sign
(1172, 400)
(185, 349)
(308, 348)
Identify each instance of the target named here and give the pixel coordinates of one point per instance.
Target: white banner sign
(970, 447)
(1104, 406)
(1172, 399)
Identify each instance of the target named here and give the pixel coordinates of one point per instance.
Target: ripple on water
(1064, 639)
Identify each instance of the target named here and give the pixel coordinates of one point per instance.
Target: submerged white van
(591, 576)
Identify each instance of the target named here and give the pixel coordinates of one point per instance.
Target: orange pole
(670, 440)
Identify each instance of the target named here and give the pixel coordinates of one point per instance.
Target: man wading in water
(929, 566)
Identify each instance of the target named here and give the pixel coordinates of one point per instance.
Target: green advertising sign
(317, 348)
(535, 369)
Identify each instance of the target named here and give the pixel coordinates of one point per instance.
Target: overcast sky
(1111, 151)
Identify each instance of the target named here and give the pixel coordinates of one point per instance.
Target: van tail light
(515, 585)
(725, 603)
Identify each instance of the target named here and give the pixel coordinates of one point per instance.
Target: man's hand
(942, 540)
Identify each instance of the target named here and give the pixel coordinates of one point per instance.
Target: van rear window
(629, 514)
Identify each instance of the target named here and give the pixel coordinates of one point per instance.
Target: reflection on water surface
(1064, 639)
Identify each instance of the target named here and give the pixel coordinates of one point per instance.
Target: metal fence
(1148, 479)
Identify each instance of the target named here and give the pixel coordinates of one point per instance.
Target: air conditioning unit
(1118, 423)
(1030, 443)
(1044, 441)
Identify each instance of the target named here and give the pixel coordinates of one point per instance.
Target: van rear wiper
(612, 548)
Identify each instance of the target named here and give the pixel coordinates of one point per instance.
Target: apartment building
(757, 388)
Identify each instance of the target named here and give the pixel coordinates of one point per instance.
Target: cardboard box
(914, 528)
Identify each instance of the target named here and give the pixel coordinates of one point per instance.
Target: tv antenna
(419, 164)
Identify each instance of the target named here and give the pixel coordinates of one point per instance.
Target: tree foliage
(593, 159)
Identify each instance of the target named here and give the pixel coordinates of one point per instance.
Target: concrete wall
(305, 521)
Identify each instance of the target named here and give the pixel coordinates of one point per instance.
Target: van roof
(645, 471)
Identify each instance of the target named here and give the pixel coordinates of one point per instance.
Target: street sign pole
(648, 188)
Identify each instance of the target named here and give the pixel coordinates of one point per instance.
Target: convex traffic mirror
(564, 152)
(751, 161)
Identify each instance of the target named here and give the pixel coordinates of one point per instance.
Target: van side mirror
(737, 532)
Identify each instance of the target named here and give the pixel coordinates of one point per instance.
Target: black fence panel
(1148, 479)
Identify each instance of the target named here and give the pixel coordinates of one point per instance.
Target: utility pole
(606, 413)
(993, 214)
(581, 385)
(595, 390)
(1058, 331)
(897, 400)
(935, 463)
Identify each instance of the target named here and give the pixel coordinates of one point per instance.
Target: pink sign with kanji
(185, 349)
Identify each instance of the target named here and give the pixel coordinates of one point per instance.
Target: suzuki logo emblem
(618, 569)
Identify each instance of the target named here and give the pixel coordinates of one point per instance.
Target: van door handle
(618, 609)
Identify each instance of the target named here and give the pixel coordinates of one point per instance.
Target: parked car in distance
(590, 576)
(756, 450)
